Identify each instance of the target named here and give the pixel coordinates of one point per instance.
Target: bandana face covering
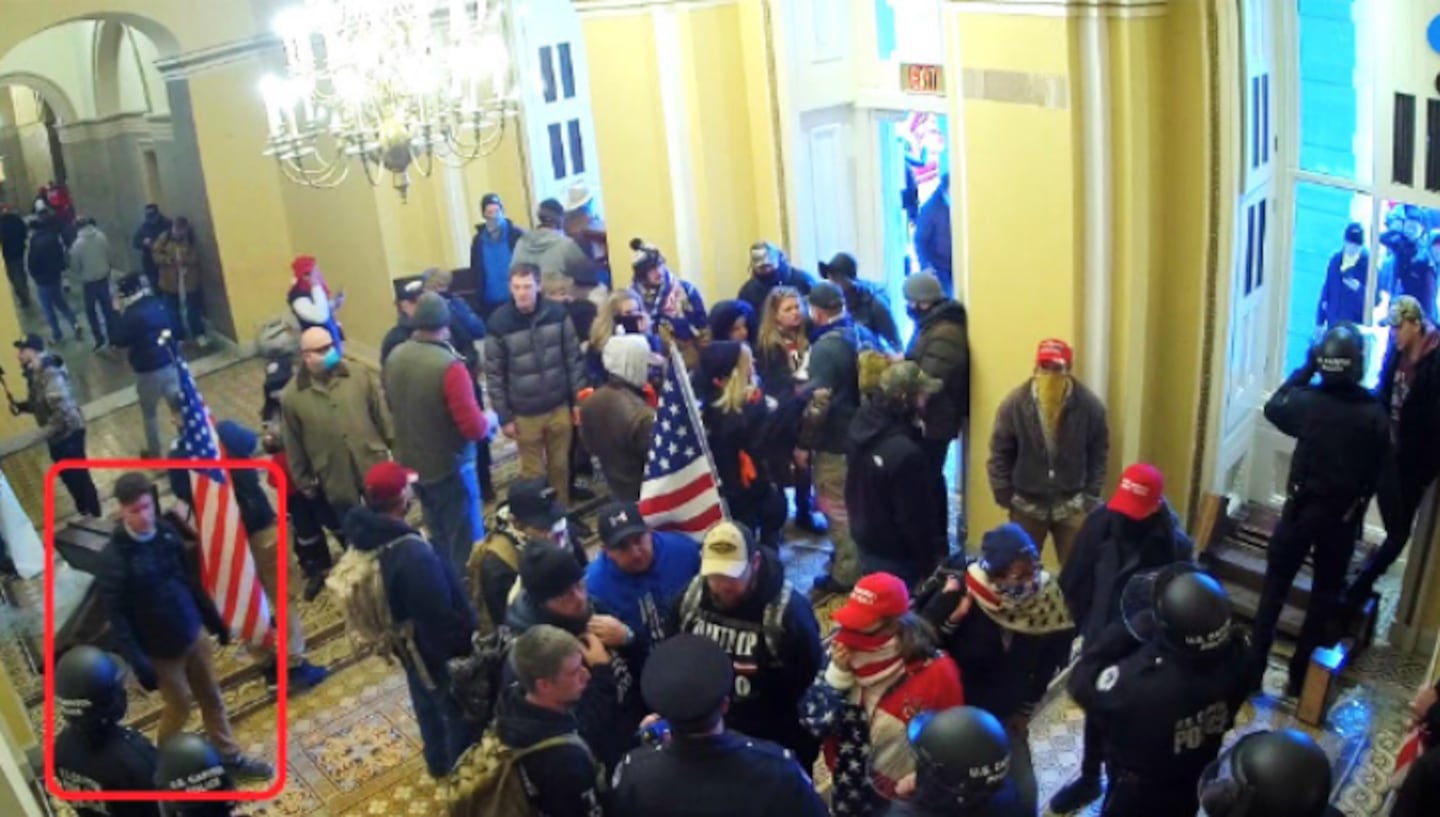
(874, 659)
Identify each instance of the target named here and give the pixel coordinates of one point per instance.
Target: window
(1336, 126)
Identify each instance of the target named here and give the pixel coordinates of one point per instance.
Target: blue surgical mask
(141, 537)
(332, 358)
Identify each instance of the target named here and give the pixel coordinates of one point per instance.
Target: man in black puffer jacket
(533, 374)
(941, 347)
(895, 525)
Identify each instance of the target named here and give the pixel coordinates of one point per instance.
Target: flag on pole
(680, 491)
(228, 568)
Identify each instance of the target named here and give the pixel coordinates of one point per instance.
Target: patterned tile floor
(353, 748)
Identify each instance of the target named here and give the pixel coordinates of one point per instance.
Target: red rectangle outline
(281, 611)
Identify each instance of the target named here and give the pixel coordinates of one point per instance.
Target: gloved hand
(145, 674)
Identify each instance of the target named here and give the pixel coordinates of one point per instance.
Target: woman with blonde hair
(622, 313)
(782, 354)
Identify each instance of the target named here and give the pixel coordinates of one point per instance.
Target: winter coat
(779, 370)
(889, 517)
(941, 348)
(532, 362)
(177, 259)
(46, 258)
(335, 430)
(138, 330)
(494, 284)
(564, 778)
(1413, 273)
(1003, 803)
(933, 240)
(555, 253)
(13, 235)
(51, 398)
(644, 602)
(767, 705)
(463, 323)
(691, 328)
(1021, 464)
(1006, 671)
(756, 289)
(1110, 549)
(149, 230)
(1343, 450)
(1342, 296)
(615, 426)
(420, 586)
(748, 434)
(834, 365)
(871, 311)
(312, 308)
(1417, 432)
(152, 595)
(719, 775)
(236, 442)
(90, 255)
(868, 755)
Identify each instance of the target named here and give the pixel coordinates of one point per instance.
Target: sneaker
(307, 676)
(242, 768)
(313, 586)
(268, 672)
(814, 522)
(1075, 795)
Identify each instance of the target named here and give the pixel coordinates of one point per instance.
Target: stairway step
(1245, 566)
(1246, 602)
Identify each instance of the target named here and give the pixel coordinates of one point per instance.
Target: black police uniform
(1162, 714)
(1342, 457)
(1005, 803)
(120, 759)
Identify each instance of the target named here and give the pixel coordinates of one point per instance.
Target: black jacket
(888, 516)
(1109, 549)
(421, 587)
(870, 309)
(749, 432)
(117, 759)
(46, 257)
(1004, 803)
(834, 365)
(532, 362)
(138, 330)
(1343, 453)
(149, 230)
(563, 778)
(1342, 296)
(462, 338)
(769, 705)
(1004, 679)
(941, 348)
(714, 776)
(13, 234)
(1419, 795)
(1417, 435)
(755, 290)
(153, 596)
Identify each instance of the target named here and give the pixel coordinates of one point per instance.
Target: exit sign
(922, 79)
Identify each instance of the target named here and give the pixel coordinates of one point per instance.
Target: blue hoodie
(238, 443)
(643, 602)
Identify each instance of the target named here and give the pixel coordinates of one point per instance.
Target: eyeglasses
(318, 350)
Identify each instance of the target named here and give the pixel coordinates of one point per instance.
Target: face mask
(914, 312)
(1019, 592)
(332, 358)
(140, 537)
(1352, 249)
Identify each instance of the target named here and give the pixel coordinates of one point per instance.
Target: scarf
(1038, 612)
(876, 663)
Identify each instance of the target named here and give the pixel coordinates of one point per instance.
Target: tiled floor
(353, 748)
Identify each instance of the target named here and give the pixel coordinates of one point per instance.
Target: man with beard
(1410, 389)
(941, 347)
(640, 573)
(1134, 533)
(1048, 450)
(553, 592)
(769, 268)
(742, 602)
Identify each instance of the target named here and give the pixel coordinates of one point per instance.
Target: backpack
(358, 585)
(278, 338)
(477, 679)
(487, 781)
(507, 549)
(772, 621)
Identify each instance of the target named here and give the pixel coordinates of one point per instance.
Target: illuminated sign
(922, 79)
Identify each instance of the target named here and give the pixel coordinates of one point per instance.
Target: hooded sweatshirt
(562, 777)
(90, 255)
(643, 601)
(555, 253)
(888, 516)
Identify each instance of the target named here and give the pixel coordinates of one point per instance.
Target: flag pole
(692, 407)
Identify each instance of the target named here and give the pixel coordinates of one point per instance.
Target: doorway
(912, 157)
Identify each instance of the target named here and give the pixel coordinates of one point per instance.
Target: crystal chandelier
(389, 84)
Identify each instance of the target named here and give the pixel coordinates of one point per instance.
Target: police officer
(1164, 694)
(962, 767)
(94, 752)
(1269, 774)
(189, 764)
(699, 769)
(1342, 457)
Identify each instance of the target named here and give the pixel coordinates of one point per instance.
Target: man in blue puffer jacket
(142, 321)
(642, 573)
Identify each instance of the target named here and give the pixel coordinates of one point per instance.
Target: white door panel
(556, 106)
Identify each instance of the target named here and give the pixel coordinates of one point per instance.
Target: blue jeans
(98, 310)
(443, 729)
(194, 324)
(52, 297)
(453, 515)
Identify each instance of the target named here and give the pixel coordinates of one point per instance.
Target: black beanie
(547, 570)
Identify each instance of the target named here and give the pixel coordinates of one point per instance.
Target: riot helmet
(1185, 608)
(962, 756)
(1268, 774)
(1340, 357)
(188, 763)
(89, 688)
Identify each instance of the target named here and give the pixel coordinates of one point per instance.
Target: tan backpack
(504, 546)
(487, 780)
(358, 585)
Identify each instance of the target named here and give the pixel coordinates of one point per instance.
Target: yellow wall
(764, 137)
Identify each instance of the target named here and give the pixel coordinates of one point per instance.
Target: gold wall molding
(598, 7)
(1049, 91)
(1064, 8)
(148, 128)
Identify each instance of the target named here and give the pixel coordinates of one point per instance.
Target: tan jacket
(176, 259)
(615, 426)
(335, 430)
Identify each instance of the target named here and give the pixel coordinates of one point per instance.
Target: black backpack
(477, 679)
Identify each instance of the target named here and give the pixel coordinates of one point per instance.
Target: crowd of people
(672, 675)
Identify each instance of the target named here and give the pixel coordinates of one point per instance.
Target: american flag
(228, 567)
(680, 491)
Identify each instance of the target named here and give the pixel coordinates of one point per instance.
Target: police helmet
(1340, 357)
(188, 763)
(962, 756)
(1192, 611)
(1268, 774)
(89, 687)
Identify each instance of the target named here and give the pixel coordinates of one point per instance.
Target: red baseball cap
(386, 481)
(303, 265)
(1054, 350)
(876, 597)
(1142, 489)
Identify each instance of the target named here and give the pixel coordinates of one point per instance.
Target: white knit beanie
(628, 358)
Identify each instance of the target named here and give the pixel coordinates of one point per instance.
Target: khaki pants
(1063, 531)
(830, 496)
(263, 548)
(186, 681)
(544, 443)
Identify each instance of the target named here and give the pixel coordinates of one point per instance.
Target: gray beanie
(923, 288)
(628, 358)
(431, 312)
